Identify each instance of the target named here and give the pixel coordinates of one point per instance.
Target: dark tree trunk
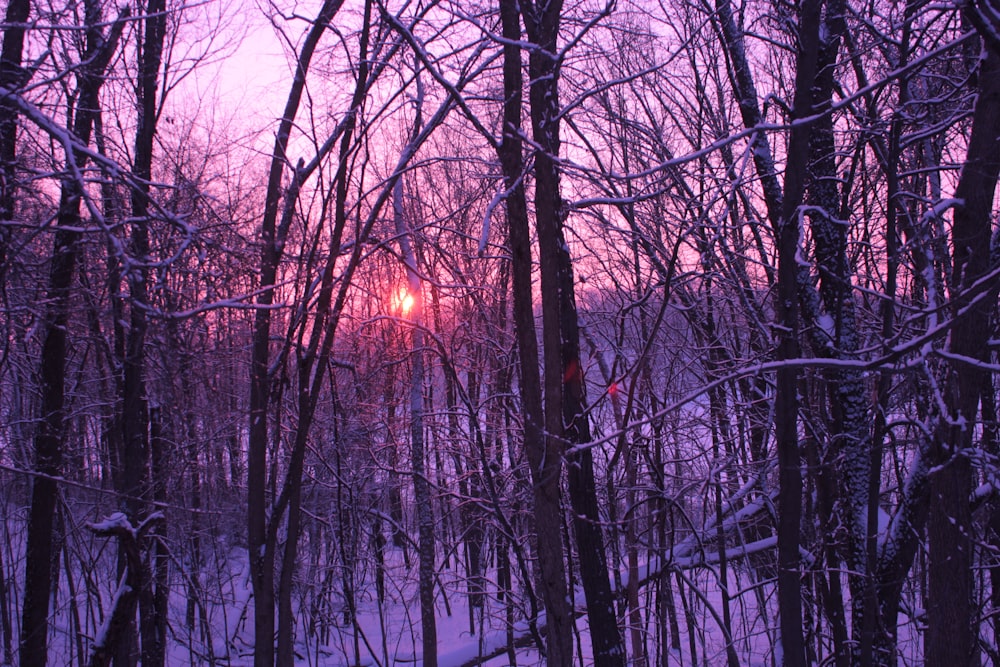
(782, 209)
(786, 396)
(314, 357)
(153, 603)
(544, 455)
(48, 442)
(12, 76)
(952, 617)
(135, 408)
(566, 423)
(845, 456)
(261, 549)
(49, 438)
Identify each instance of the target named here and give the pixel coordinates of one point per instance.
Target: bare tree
(12, 76)
(953, 620)
(543, 453)
(101, 45)
(274, 236)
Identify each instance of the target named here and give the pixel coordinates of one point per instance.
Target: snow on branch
(73, 147)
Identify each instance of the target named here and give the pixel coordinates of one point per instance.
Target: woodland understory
(610, 332)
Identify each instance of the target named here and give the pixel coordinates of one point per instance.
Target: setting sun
(402, 301)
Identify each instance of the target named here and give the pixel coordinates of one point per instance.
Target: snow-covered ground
(389, 633)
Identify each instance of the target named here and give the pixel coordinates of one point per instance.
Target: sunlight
(402, 301)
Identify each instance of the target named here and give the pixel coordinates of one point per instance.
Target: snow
(826, 324)
(113, 523)
(390, 634)
(101, 638)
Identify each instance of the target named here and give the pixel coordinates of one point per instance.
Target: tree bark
(544, 455)
(49, 438)
(566, 422)
(12, 76)
(952, 617)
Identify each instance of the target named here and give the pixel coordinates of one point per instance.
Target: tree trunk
(49, 438)
(952, 617)
(544, 454)
(261, 550)
(135, 409)
(786, 396)
(156, 592)
(566, 423)
(421, 484)
(12, 76)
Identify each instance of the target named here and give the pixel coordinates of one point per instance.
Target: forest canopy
(608, 332)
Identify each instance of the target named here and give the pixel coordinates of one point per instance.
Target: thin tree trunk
(421, 483)
(566, 423)
(782, 208)
(544, 454)
(261, 550)
(12, 76)
(49, 437)
(632, 529)
(138, 478)
(6, 627)
(153, 603)
(786, 396)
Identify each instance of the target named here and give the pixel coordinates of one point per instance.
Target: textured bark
(952, 616)
(746, 95)
(889, 560)
(12, 76)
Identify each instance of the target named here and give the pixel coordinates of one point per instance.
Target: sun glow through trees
(402, 302)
